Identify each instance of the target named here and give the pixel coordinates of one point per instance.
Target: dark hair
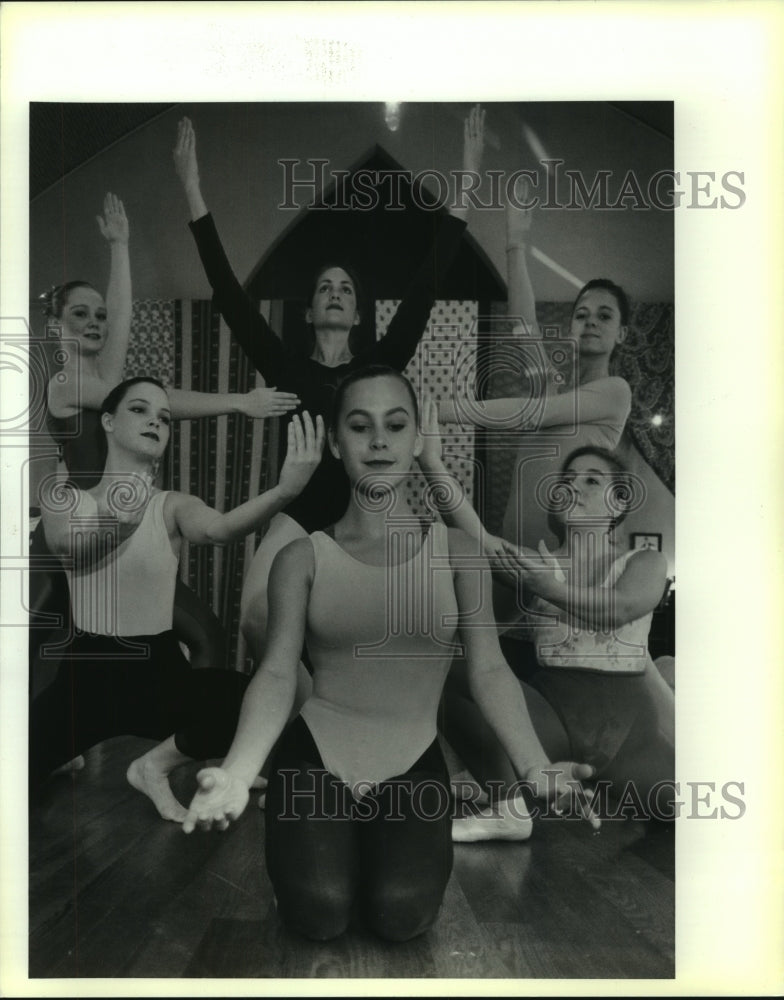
(118, 393)
(354, 336)
(619, 491)
(361, 375)
(615, 290)
(53, 300)
(350, 271)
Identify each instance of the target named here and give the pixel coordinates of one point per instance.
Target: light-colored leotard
(381, 640)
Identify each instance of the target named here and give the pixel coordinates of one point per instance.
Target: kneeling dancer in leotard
(358, 806)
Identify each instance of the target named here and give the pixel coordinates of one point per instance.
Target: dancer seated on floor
(96, 334)
(588, 606)
(358, 804)
(554, 410)
(335, 310)
(122, 672)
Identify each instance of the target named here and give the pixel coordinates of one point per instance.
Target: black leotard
(326, 495)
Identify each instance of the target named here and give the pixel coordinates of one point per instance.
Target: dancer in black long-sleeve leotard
(333, 312)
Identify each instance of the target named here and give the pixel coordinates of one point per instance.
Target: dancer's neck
(368, 517)
(331, 348)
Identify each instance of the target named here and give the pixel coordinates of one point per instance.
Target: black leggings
(49, 604)
(142, 686)
(389, 852)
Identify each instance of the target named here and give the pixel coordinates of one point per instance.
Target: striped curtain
(221, 459)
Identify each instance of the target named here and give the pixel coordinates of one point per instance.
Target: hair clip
(47, 299)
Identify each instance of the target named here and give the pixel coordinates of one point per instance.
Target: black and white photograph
(342, 480)
(646, 540)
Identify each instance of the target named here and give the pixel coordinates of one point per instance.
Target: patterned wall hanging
(447, 348)
(219, 459)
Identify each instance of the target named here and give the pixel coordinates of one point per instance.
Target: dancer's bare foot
(508, 820)
(466, 788)
(149, 778)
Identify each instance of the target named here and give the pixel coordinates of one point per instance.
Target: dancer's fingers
(310, 433)
(320, 433)
(299, 436)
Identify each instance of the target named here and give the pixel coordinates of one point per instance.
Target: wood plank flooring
(116, 892)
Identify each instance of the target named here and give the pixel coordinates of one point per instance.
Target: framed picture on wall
(646, 540)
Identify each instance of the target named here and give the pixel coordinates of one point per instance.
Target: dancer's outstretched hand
(541, 571)
(185, 162)
(260, 403)
(474, 139)
(114, 223)
(431, 454)
(497, 549)
(305, 444)
(219, 799)
(561, 784)
(519, 213)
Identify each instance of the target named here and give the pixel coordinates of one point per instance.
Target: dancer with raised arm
(95, 335)
(359, 805)
(335, 308)
(591, 410)
(123, 671)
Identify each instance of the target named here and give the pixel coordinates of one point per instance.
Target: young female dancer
(123, 671)
(593, 411)
(334, 310)
(589, 606)
(96, 334)
(358, 806)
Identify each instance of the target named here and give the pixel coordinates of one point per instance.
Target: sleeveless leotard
(381, 640)
(571, 644)
(131, 592)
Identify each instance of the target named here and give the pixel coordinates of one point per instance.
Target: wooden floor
(117, 892)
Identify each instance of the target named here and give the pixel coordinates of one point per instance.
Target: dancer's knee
(401, 912)
(319, 913)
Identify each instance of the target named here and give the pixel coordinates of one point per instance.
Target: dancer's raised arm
(101, 328)
(203, 525)
(410, 321)
(187, 168)
(456, 510)
(114, 228)
(263, 348)
(473, 151)
(522, 301)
